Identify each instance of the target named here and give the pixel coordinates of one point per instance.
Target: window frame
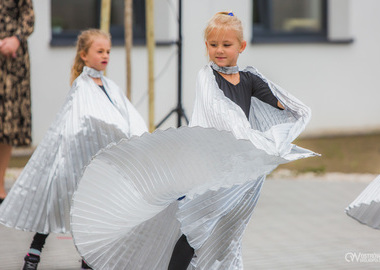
(69, 38)
(262, 33)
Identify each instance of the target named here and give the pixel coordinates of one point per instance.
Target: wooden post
(128, 34)
(149, 8)
(105, 17)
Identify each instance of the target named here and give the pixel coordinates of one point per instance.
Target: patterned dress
(16, 19)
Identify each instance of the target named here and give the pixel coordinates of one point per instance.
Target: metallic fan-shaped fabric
(366, 207)
(127, 198)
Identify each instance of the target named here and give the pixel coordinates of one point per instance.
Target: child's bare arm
(280, 105)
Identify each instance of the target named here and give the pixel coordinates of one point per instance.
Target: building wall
(337, 80)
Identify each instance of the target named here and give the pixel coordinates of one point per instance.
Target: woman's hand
(9, 46)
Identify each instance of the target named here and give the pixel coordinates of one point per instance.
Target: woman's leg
(5, 156)
(182, 255)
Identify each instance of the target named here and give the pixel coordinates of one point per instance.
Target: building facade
(324, 52)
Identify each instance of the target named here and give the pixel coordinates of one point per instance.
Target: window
(289, 20)
(69, 17)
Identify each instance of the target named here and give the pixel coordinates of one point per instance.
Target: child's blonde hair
(84, 42)
(225, 21)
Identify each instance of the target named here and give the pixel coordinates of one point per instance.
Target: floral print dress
(16, 19)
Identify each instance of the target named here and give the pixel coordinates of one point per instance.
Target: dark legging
(182, 255)
(39, 241)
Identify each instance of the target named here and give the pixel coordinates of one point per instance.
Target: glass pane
(257, 12)
(293, 16)
(69, 17)
(117, 18)
(73, 15)
(139, 19)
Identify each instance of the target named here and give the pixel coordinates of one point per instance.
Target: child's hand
(279, 104)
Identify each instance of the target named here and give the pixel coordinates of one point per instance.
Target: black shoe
(85, 266)
(31, 262)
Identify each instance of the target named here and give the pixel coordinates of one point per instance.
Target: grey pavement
(299, 223)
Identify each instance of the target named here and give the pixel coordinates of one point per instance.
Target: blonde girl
(250, 106)
(94, 114)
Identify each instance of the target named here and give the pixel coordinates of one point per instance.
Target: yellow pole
(149, 8)
(128, 34)
(105, 16)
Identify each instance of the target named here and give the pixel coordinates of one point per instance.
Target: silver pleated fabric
(40, 199)
(268, 128)
(130, 222)
(220, 165)
(366, 207)
(216, 236)
(215, 222)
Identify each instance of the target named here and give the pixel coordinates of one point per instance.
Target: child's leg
(38, 243)
(85, 266)
(33, 257)
(182, 255)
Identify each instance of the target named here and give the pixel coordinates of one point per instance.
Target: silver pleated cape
(217, 235)
(366, 207)
(40, 199)
(219, 163)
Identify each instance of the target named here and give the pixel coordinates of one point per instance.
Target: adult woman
(17, 19)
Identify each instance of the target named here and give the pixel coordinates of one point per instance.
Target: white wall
(338, 81)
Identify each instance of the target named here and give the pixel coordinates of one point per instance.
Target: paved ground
(299, 223)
